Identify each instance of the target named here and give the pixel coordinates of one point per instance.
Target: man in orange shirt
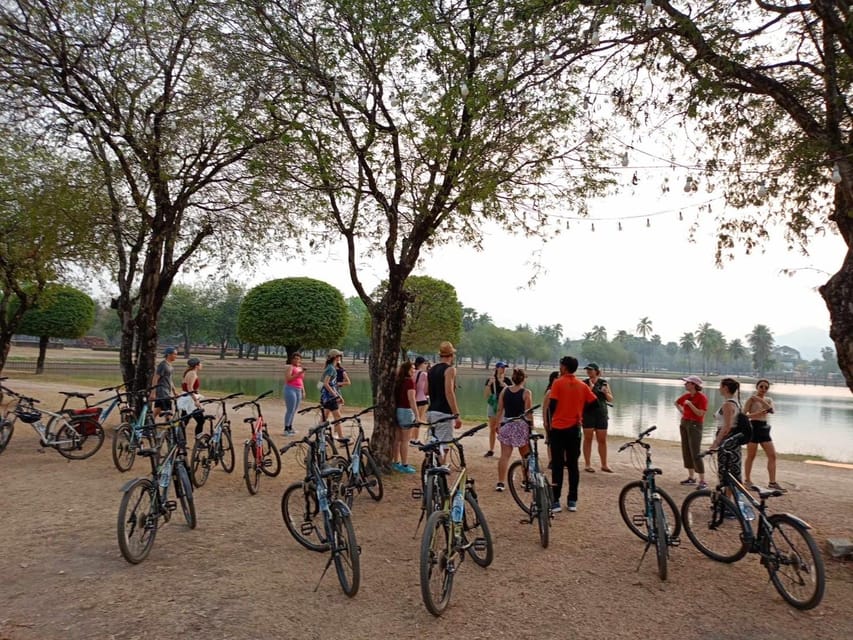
(567, 400)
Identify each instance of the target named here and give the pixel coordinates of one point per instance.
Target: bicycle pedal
(417, 494)
(674, 542)
(307, 528)
(170, 505)
(638, 520)
(267, 463)
(480, 544)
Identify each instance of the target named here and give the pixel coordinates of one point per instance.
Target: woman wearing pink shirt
(294, 391)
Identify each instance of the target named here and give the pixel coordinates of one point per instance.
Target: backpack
(742, 425)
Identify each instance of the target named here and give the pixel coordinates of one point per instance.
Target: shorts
(423, 403)
(405, 418)
(164, 404)
(331, 405)
(514, 434)
(443, 430)
(760, 432)
(598, 425)
(491, 411)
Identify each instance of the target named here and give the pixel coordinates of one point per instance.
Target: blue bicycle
(134, 432)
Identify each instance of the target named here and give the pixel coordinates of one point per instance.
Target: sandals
(688, 481)
(607, 469)
(777, 487)
(589, 469)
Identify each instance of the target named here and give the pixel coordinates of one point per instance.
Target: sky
(614, 278)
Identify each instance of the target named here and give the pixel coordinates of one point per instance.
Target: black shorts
(760, 432)
(331, 405)
(423, 403)
(598, 424)
(164, 404)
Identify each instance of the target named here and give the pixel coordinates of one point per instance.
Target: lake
(809, 420)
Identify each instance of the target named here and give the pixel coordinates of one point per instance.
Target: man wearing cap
(595, 418)
(421, 388)
(492, 391)
(692, 407)
(441, 380)
(567, 400)
(164, 390)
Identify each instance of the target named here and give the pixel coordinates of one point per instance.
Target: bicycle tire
(184, 490)
(226, 449)
(270, 452)
(138, 520)
(371, 476)
(794, 562)
(518, 487)
(201, 460)
(661, 546)
(632, 503)
(474, 522)
(543, 515)
(71, 444)
(7, 428)
(298, 507)
(436, 494)
(435, 577)
(251, 472)
(345, 551)
(123, 447)
(721, 538)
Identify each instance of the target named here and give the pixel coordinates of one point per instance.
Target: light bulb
(635, 180)
(546, 60)
(463, 89)
(620, 226)
(648, 222)
(688, 185)
(590, 136)
(593, 226)
(594, 38)
(649, 8)
(762, 190)
(836, 174)
(500, 75)
(625, 159)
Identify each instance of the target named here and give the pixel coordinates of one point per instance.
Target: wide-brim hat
(695, 380)
(446, 349)
(334, 353)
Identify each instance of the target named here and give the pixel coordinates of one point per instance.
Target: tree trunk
(838, 293)
(43, 341)
(5, 346)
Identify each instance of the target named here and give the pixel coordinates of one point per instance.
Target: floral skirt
(514, 434)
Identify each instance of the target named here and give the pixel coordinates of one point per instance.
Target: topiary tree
(61, 312)
(296, 313)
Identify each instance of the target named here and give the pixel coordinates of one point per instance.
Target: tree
(357, 339)
(186, 313)
(296, 313)
(61, 312)
(688, 345)
(761, 343)
(765, 91)
(644, 328)
(418, 123)
(433, 314)
(150, 94)
(225, 299)
(736, 351)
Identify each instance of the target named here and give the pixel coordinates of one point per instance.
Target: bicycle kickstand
(643, 557)
(325, 569)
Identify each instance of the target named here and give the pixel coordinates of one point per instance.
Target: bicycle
(649, 511)
(75, 434)
(427, 492)
(305, 503)
(450, 531)
(362, 472)
(216, 447)
(134, 432)
(260, 454)
(725, 530)
(145, 501)
(526, 477)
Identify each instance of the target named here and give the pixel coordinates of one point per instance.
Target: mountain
(807, 340)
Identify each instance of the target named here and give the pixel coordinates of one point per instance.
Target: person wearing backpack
(491, 392)
(726, 421)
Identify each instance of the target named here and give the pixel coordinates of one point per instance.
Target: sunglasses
(763, 387)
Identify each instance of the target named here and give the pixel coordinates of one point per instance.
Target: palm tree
(644, 328)
(708, 341)
(761, 343)
(737, 352)
(599, 333)
(688, 345)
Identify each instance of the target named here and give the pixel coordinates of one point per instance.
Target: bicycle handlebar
(222, 400)
(439, 443)
(309, 409)
(254, 402)
(354, 417)
(18, 395)
(116, 387)
(639, 439)
(521, 417)
(432, 424)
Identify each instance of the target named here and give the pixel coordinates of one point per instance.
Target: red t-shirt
(571, 395)
(403, 394)
(699, 399)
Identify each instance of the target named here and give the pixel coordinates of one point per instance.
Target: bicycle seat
(536, 436)
(147, 453)
(344, 440)
(654, 471)
(76, 394)
(249, 420)
(439, 471)
(327, 471)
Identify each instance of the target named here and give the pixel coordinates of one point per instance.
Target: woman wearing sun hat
(692, 407)
(491, 392)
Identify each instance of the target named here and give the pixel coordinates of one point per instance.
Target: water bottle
(322, 495)
(458, 509)
(166, 473)
(745, 508)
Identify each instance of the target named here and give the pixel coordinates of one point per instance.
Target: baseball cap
(334, 353)
(419, 361)
(695, 380)
(592, 365)
(500, 364)
(192, 362)
(446, 349)
(169, 351)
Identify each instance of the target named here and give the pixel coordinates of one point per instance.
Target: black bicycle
(434, 457)
(145, 501)
(215, 447)
(727, 522)
(650, 513)
(362, 472)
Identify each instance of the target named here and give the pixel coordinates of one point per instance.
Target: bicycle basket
(85, 421)
(28, 414)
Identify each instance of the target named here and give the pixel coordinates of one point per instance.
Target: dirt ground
(240, 575)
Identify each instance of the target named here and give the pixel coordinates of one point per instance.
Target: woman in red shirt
(406, 405)
(692, 407)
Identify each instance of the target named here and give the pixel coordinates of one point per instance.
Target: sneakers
(777, 487)
(555, 507)
(396, 466)
(703, 485)
(499, 486)
(573, 505)
(688, 481)
(489, 454)
(289, 433)
(407, 468)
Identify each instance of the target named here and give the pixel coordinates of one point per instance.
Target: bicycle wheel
(184, 489)
(345, 551)
(72, 444)
(6, 430)
(632, 508)
(436, 573)
(714, 525)
(226, 449)
(475, 532)
(201, 460)
(124, 447)
(543, 515)
(138, 519)
(251, 470)
(435, 494)
(794, 562)
(371, 477)
(302, 517)
(518, 486)
(270, 457)
(661, 547)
